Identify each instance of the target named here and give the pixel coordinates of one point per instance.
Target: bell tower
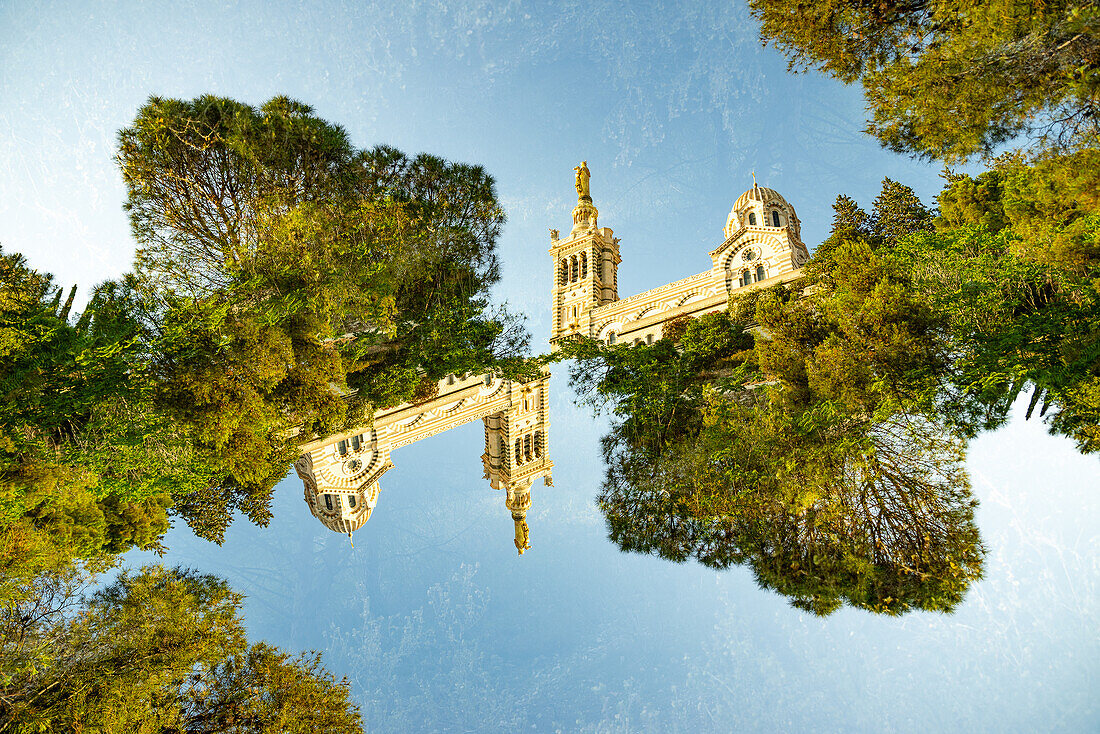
(585, 266)
(516, 443)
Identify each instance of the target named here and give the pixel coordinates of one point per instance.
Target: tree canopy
(86, 466)
(949, 80)
(286, 285)
(158, 650)
(293, 283)
(798, 432)
(1012, 268)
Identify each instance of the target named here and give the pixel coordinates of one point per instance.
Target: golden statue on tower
(582, 177)
(522, 540)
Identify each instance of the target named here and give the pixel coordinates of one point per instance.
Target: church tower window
(759, 273)
(527, 447)
(328, 501)
(584, 265)
(564, 270)
(574, 270)
(775, 218)
(538, 444)
(752, 219)
(519, 452)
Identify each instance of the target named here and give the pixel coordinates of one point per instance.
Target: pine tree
(951, 80)
(897, 212)
(158, 650)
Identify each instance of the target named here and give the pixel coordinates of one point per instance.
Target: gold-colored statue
(522, 536)
(582, 177)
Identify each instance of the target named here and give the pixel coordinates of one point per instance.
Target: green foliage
(809, 446)
(155, 651)
(77, 475)
(286, 285)
(293, 283)
(1012, 269)
(897, 213)
(952, 79)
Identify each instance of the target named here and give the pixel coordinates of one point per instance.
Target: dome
(761, 194)
(760, 201)
(343, 516)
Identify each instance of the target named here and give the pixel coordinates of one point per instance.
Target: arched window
(584, 265)
(746, 278)
(564, 271)
(648, 338)
(527, 447)
(573, 268)
(351, 501)
(328, 501)
(775, 218)
(342, 448)
(356, 442)
(519, 452)
(759, 273)
(752, 219)
(610, 337)
(538, 444)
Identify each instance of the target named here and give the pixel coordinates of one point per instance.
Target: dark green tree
(86, 465)
(952, 79)
(155, 651)
(897, 212)
(1012, 269)
(294, 283)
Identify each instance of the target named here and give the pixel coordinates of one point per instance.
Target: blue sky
(433, 618)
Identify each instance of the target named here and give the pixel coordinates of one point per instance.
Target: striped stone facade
(761, 247)
(341, 472)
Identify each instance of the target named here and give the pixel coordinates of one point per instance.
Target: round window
(750, 254)
(352, 466)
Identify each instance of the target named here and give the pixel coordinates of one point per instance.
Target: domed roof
(759, 193)
(756, 197)
(343, 525)
(344, 518)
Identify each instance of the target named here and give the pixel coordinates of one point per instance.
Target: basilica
(341, 472)
(760, 247)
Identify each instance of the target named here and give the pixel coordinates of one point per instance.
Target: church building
(341, 473)
(761, 246)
